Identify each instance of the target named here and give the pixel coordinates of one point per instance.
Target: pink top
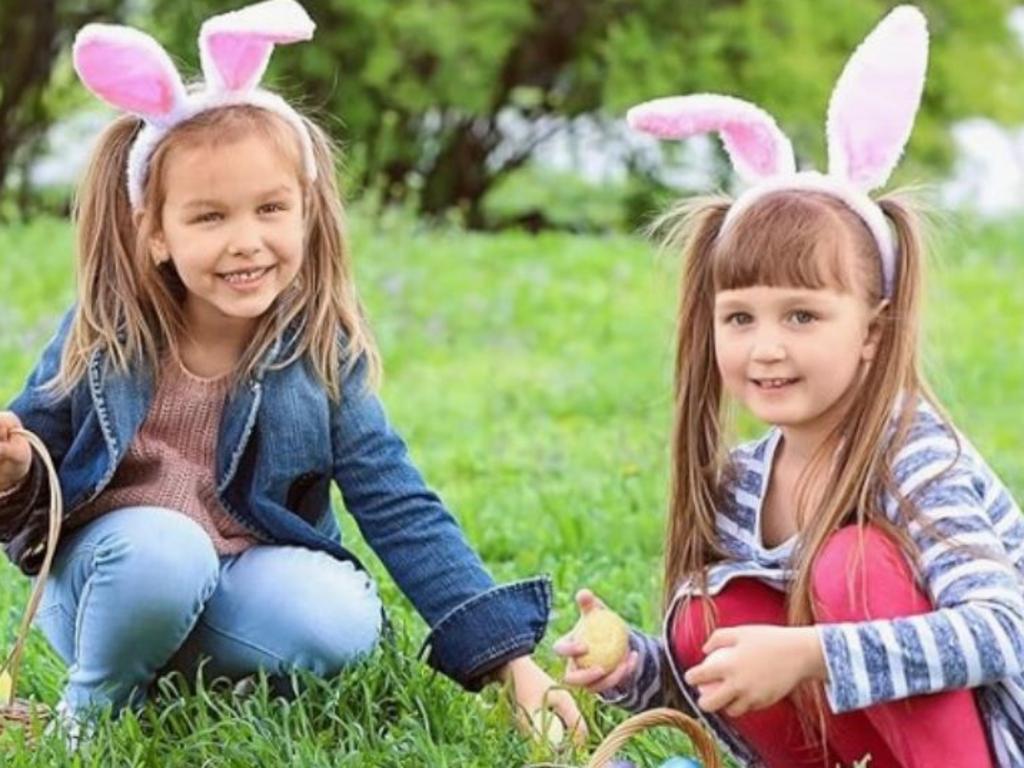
(171, 462)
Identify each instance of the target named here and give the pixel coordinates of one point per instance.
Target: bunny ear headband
(870, 117)
(130, 70)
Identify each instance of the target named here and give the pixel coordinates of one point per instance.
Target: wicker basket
(627, 729)
(16, 712)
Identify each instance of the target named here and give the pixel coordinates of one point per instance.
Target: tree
(422, 92)
(786, 55)
(33, 38)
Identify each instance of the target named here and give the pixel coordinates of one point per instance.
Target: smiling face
(791, 355)
(795, 311)
(232, 225)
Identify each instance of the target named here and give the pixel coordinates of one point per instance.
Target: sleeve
(975, 635)
(476, 625)
(645, 690)
(50, 418)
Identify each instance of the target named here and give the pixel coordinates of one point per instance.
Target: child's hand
(751, 667)
(594, 679)
(15, 452)
(535, 690)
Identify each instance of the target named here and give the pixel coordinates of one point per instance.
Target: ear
(129, 70)
(872, 109)
(874, 334)
(156, 243)
(755, 145)
(158, 250)
(234, 47)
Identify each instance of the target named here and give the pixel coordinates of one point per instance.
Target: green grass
(530, 376)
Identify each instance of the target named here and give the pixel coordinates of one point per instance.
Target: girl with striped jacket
(851, 582)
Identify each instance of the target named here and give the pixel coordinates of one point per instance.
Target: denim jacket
(281, 442)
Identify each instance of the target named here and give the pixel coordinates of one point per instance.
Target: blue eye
(803, 317)
(739, 318)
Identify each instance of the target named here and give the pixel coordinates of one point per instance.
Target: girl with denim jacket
(214, 377)
(851, 583)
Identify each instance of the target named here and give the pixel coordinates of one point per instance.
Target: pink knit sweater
(171, 462)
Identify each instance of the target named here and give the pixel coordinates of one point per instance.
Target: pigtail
(696, 450)
(108, 313)
(326, 301)
(860, 454)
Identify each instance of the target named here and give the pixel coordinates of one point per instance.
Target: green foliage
(787, 54)
(36, 79)
(531, 379)
(414, 87)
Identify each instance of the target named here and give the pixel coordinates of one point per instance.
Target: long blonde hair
(800, 239)
(131, 310)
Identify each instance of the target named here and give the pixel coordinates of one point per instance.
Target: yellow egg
(5, 687)
(607, 639)
(548, 725)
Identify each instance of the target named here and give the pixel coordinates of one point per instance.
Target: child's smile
(246, 280)
(774, 384)
(790, 354)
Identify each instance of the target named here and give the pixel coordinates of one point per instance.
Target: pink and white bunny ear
(755, 145)
(234, 47)
(876, 98)
(129, 70)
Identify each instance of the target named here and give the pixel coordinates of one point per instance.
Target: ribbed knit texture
(171, 461)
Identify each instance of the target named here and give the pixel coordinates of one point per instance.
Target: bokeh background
(497, 202)
(503, 113)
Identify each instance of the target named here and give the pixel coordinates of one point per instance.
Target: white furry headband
(870, 117)
(131, 71)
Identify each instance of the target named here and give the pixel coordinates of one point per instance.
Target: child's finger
(9, 417)
(622, 672)
(565, 707)
(738, 707)
(720, 638)
(717, 698)
(587, 601)
(707, 671)
(570, 647)
(707, 688)
(583, 678)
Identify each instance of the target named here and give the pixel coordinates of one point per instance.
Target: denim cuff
(489, 630)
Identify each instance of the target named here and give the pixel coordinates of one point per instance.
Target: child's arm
(24, 509)
(643, 689)
(15, 464)
(476, 626)
(975, 634)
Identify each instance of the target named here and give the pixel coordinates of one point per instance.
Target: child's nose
(768, 348)
(244, 241)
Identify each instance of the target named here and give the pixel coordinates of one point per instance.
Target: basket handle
(12, 663)
(625, 730)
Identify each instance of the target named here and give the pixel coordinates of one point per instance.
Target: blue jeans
(141, 590)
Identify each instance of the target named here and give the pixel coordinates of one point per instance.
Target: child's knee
(861, 573)
(345, 629)
(163, 567)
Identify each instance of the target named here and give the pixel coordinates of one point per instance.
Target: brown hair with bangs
(798, 240)
(794, 239)
(131, 310)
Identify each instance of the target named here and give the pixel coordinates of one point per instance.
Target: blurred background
(508, 113)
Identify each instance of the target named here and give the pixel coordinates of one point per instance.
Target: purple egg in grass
(620, 763)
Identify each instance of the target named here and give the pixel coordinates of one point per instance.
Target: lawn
(530, 377)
